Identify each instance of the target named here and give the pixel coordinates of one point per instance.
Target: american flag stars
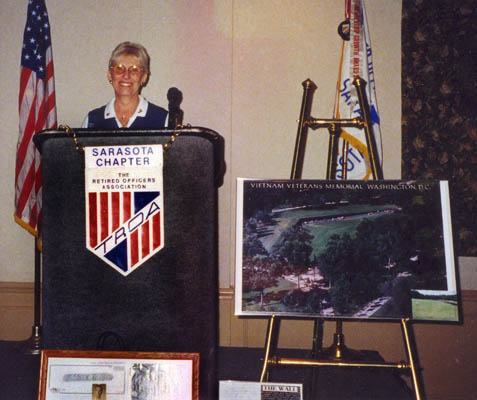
(36, 37)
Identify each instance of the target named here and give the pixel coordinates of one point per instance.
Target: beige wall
(240, 65)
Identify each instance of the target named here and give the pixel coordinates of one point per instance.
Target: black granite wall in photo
(439, 106)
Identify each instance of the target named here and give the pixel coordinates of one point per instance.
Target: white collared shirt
(109, 112)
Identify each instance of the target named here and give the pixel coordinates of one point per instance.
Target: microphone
(176, 115)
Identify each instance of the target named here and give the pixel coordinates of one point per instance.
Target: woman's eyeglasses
(120, 69)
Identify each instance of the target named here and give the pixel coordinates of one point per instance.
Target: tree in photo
(387, 242)
(294, 249)
(252, 245)
(352, 270)
(259, 274)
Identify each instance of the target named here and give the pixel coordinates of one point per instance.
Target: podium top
(213, 137)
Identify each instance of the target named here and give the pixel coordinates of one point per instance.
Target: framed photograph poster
(101, 375)
(345, 249)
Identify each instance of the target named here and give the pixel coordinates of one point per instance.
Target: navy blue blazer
(155, 118)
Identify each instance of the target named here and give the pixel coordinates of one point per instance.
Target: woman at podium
(128, 72)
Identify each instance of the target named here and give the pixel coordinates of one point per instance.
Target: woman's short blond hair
(133, 49)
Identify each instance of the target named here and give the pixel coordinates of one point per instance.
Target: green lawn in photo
(441, 310)
(283, 284)
(322, 232)
(248, 298)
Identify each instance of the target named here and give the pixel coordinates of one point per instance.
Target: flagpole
(33, 345)
(37, 111)
(36, 330)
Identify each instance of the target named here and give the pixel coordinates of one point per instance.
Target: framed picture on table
(101, 375)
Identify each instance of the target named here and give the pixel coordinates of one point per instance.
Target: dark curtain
(439, 105)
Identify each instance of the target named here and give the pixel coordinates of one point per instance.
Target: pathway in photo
(372, 307)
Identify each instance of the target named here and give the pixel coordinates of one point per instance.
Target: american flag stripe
(25, 153)
(24, 195)
(37, 111)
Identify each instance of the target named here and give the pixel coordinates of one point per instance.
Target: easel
(337, 354)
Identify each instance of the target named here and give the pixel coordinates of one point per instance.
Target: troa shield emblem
(124, 204)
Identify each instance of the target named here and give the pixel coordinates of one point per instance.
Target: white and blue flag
(356, 60)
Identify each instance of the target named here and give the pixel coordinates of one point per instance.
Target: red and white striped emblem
(124, 204)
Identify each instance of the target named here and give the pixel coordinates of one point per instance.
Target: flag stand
(33, 344)
(337, 354)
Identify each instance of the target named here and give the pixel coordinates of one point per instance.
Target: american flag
(37, 110)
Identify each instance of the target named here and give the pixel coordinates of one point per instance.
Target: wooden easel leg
(410, 354)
